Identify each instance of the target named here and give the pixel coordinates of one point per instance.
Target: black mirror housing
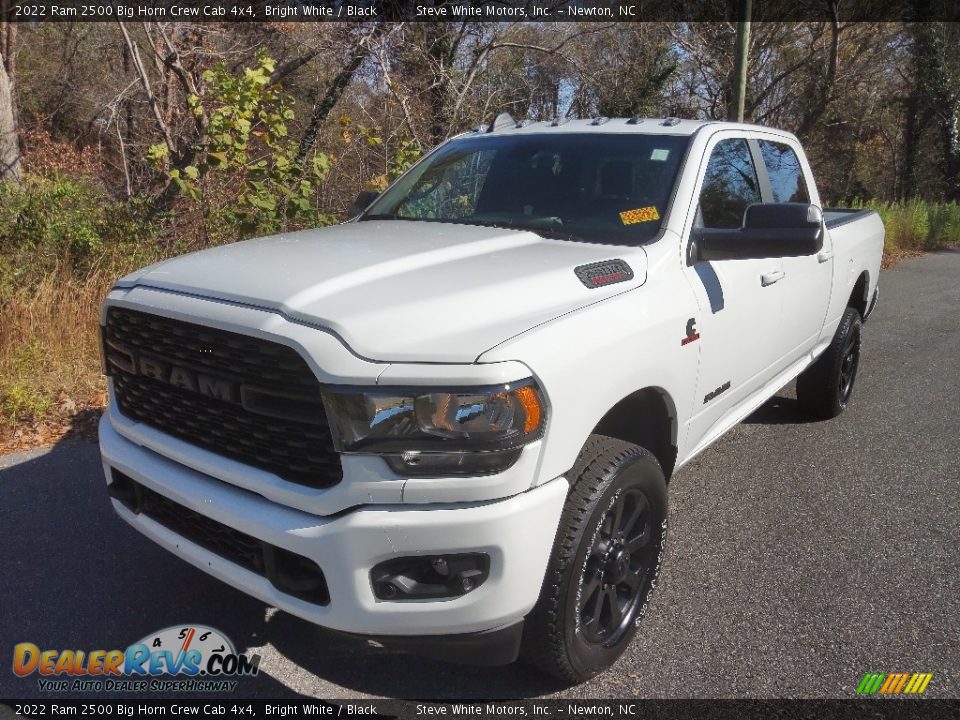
(768, 230)
(782, 215)
(364, 198)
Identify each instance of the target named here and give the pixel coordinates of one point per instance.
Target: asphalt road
(801, 556)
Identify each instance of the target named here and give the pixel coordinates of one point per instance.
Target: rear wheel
(824, 389)
(604, 563)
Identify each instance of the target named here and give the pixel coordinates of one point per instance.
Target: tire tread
(815, 388)
(543, 644)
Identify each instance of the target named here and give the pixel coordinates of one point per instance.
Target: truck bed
(835, 217)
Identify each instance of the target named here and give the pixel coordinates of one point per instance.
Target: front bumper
(517, 533)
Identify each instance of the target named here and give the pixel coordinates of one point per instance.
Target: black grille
(290, 573)
(242, 397)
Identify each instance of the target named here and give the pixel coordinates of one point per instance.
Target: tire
(824, 388)
(598, 581)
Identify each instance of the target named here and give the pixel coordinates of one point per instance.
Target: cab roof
(506, 125)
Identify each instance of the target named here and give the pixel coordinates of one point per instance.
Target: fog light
(429, 576)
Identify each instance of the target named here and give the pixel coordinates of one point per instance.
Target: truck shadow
(782, 409)
(362, 666)
(76, 576)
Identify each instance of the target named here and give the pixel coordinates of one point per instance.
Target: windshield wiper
(386, 216)
(548, 233)
(556, 234)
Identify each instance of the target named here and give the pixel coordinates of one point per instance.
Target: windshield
(603, 188)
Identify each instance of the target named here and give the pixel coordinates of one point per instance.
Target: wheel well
(858, 298)
(646, 418)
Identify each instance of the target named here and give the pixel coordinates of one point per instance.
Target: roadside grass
(49, 356)
(59, 257)
(63, 241)
(918, 225)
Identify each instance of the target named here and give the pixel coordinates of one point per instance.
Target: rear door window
(786, 175)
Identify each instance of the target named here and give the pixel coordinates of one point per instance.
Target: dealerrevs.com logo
(184, 658)
(894, 683)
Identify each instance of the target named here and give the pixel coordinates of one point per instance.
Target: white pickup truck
(449, 423)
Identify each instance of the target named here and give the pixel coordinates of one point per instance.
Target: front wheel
(604, 563)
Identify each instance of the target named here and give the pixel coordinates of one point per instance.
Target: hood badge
(606, 272)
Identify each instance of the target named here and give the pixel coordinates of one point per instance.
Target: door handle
(771, 277)
(824, 255)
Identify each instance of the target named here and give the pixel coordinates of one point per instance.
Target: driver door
(740, 300)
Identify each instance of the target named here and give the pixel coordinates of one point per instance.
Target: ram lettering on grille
(125, 360)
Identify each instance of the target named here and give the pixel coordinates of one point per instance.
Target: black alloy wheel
(604, 563)
(824, 389)
(618, 564)
(849, 365)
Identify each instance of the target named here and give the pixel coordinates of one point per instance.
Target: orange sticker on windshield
(647, 214)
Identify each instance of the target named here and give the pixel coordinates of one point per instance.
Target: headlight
(432, 432)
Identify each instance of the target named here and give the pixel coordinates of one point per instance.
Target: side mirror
(768, 230)
(364, 198)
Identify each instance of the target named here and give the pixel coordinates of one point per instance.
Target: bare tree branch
(394, 90)
(292, 66)
(816, 110)
(339, 83)
(158, 115)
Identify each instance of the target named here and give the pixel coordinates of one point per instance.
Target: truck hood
(401, 291)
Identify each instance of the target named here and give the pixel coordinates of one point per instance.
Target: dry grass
(49, 357)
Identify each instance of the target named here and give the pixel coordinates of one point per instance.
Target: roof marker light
(503, 120)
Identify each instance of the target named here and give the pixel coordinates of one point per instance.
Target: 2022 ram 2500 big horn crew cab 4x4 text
(449, 423)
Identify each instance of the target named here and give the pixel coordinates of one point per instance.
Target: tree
(624, 71)
(9, 140)
(933, 104)
(325, 101)
(741, 62)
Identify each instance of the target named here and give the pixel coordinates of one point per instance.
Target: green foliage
(62, 221)
(918, 225)
(406, 152)
(22, 402)
(945, 223)
(65, 216)
(249, 173)
(20, 399)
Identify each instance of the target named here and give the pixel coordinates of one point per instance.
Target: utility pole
(741, 60)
